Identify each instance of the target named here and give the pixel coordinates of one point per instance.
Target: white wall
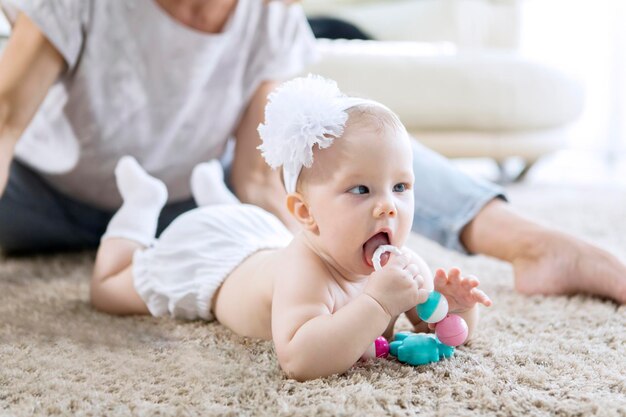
(4, 26)
(586, 39)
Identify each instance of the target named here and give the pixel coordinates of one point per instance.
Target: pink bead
(382, 347)
(452, 330)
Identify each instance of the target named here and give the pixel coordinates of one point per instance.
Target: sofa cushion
(435, 87)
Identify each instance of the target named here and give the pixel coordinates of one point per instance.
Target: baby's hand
(425, 272)
(398, 286)
(461, 292)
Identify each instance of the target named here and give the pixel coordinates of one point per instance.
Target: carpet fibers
(535, 355)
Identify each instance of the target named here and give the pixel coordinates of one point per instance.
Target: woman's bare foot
(561, 264)
(545, 261)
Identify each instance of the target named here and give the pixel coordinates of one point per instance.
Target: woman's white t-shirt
(140, 83)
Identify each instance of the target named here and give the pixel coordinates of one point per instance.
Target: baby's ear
(300, 211)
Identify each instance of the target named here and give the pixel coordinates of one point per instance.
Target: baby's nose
(385, 208)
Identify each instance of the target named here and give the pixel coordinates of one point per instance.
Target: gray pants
(34, 217)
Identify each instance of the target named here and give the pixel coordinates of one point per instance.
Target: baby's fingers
(399, 260)
(413, 270)
(454, 276)
(422, 295)
(470, 282)
(481, 297)
(419, 280)
(441, 279)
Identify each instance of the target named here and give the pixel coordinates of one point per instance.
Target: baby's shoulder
(303, 265)
(302, 272)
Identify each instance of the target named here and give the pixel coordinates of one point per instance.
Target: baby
(347, 168)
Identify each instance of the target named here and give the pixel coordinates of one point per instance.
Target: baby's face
(360, 193)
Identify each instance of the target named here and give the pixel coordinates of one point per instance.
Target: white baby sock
(144, 197)
(208, 187)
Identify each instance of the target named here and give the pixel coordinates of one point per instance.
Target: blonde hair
(384, 117)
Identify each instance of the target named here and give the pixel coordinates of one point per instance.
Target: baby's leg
(131, 228)
(208, 187)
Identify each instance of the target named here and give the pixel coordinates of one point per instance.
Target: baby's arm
(313, 341)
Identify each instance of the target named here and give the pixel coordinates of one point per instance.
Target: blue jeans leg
(446, 199)
(34, 217)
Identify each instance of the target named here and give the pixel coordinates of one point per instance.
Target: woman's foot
(561, 264)
(545, 261)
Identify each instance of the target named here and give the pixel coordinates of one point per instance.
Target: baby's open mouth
(372, 244)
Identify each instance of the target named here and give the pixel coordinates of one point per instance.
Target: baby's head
(347, 168)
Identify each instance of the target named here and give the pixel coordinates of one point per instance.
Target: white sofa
(452, 72)
(5, 29)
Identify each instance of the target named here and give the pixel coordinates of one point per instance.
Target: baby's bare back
(244, 301)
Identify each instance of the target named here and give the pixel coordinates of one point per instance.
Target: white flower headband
(301, 113)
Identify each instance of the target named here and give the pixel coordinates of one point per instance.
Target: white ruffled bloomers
(180, 273)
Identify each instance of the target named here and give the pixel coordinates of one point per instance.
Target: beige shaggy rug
(532, 356)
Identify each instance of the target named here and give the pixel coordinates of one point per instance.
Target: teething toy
(378, 253)
(449, 328)
(452, 330)
(434, 309)
(378, 349)
(418, 349)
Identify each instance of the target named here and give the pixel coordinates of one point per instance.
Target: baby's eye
(359, 189)
(399, 188)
